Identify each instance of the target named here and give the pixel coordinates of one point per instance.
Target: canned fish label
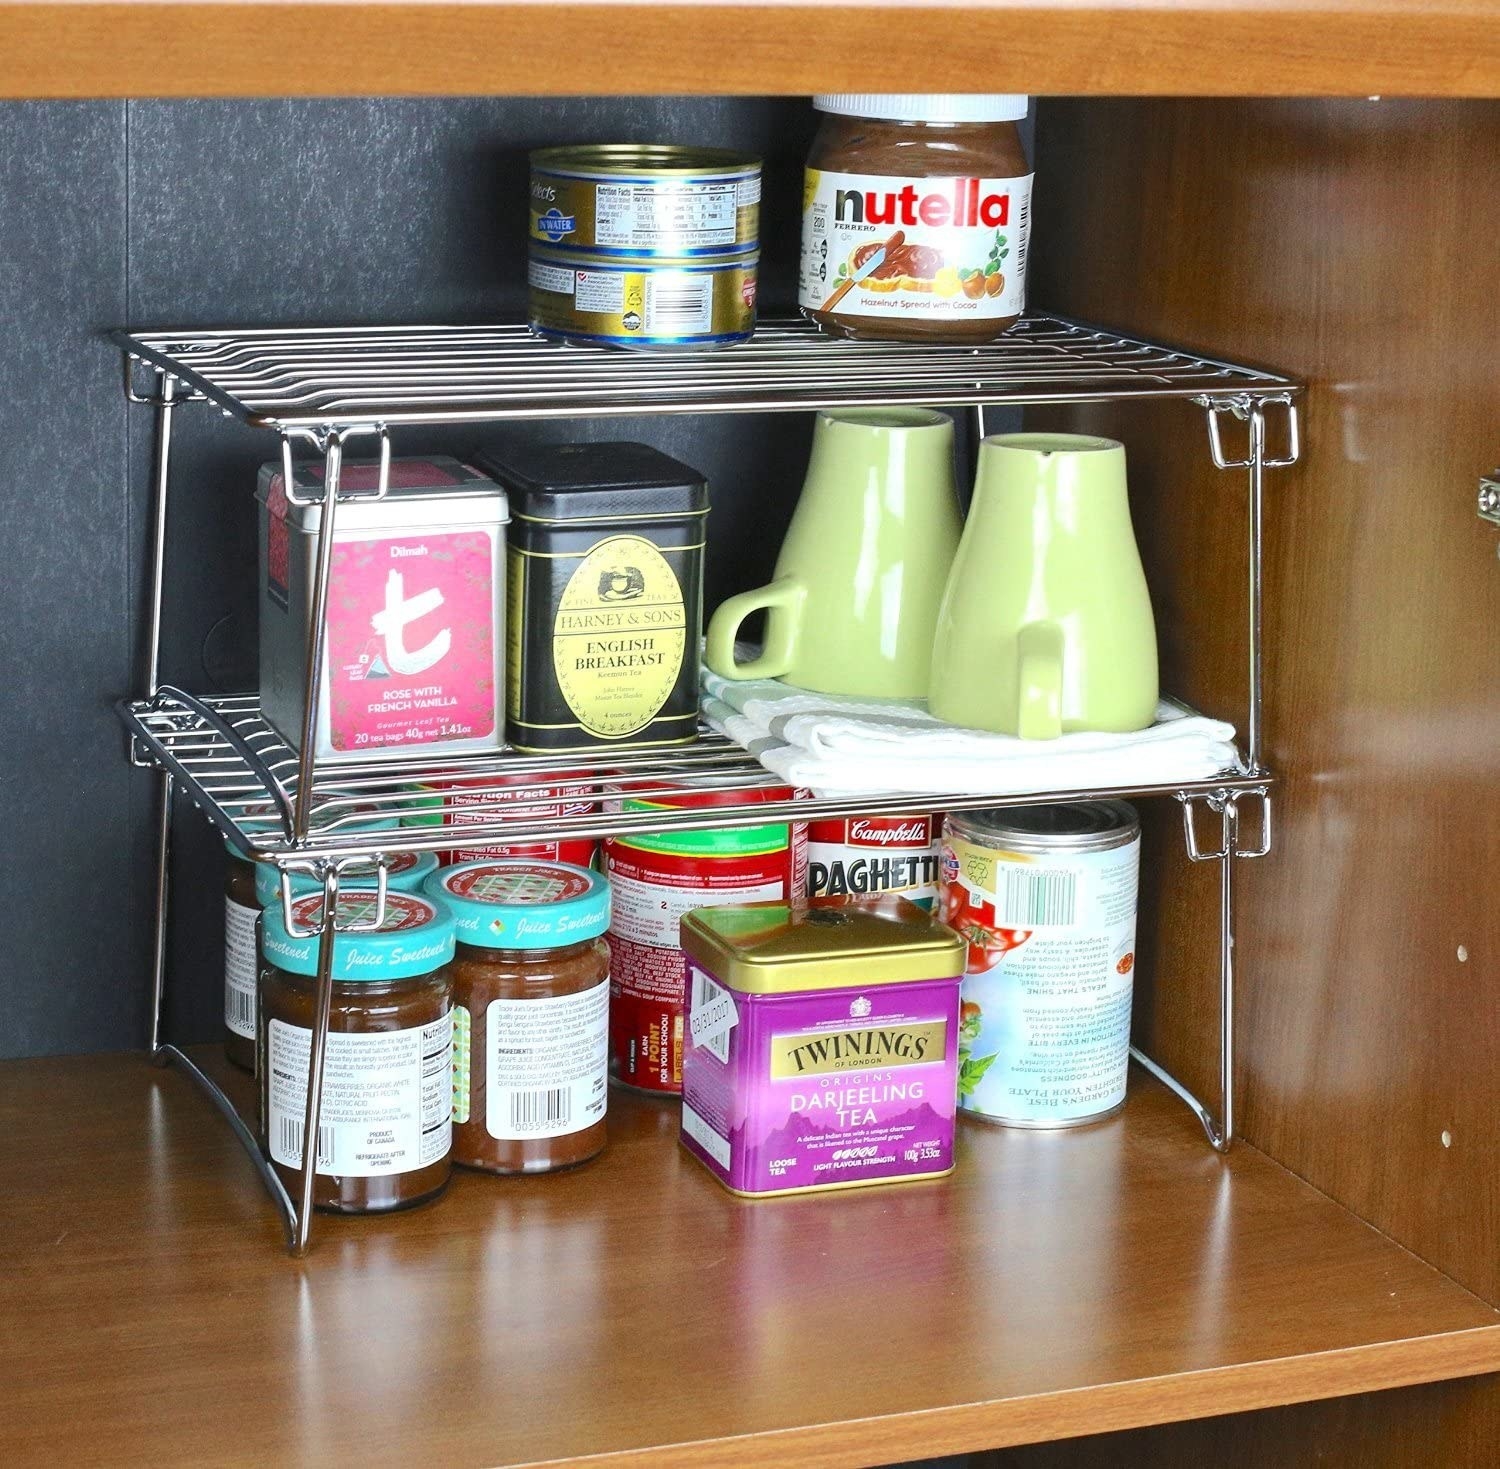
(866, 856)
(645, 201)
(642, 305)
(1044, 1029)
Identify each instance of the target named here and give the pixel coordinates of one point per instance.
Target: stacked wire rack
(324, 389)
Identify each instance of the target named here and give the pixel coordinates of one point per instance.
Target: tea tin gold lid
(773, 949)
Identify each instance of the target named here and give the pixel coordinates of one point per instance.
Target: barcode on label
(1030, 899)
(239, 1012)
(544, 1107)
(291, 1143)
(705, 992)
(678, 304)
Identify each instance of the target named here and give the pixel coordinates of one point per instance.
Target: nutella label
(940, 249)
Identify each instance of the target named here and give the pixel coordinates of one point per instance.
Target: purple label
(411, 640)
(822, 1088)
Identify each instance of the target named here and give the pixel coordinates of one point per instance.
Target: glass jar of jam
(915, 218)
(405, 872)
(241, 914)
(531, 1012)
(385, 1133)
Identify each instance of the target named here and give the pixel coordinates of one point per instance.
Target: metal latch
(1489, 498)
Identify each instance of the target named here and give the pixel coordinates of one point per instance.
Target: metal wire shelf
(328, 378)
(232, 764)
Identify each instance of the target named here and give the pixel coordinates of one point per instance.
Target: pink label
(411, 650)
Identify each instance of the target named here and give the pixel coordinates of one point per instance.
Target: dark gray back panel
(200, 214)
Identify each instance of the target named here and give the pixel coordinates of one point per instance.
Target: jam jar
(531, 1012)
(916, 215)
(405, 872)
(385, 1133)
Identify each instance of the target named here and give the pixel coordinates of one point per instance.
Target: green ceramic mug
(1046, 623)
(862, 569)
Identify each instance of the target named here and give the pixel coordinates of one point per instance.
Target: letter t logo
(392, 620)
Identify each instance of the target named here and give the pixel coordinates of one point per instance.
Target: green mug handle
(783, 601)
(1039, 646)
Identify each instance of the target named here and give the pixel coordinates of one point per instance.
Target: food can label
(411, 640)
(952, 248)
(239, 968)
(619, 637)
(387, 1098)
(650, 892)
(546, 1064)
(871, 856)
(644, 216)
(1044, 1034)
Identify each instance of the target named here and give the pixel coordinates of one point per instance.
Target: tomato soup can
(465, 801)
(1045, 899)
(645, 200)
(656, 879)
(872, 856)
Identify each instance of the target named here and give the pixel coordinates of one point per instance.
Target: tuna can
(481, 800)
(1045, 899)
(642, 303)
(656, 879)
(872, 856)
(645, 200)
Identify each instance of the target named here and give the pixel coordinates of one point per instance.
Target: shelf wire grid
(508, 797)
(324, 378)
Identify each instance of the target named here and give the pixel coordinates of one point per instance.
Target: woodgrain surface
(1055, 1284)
(1334, 240)
(72, 48)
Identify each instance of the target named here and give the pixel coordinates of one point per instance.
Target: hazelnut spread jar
(531, 1012)
(915, 217)
(386, 1125)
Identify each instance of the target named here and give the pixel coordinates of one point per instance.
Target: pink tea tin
(821, 1046)
(415, 660)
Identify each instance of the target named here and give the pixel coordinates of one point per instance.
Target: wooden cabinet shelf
(114, 48)
(633, 1312)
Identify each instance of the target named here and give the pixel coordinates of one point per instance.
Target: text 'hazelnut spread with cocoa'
(916, 212)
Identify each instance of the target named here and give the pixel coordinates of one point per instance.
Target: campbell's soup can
(472, 800)
(1045, 899)
(654, 880)
(869, 856)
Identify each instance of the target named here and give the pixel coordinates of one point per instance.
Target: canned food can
(479, 800)
(638, 303)
(654, 881)
(645, 200)
(1045, 899)
(870, 856)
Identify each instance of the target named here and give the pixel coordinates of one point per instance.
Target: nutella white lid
(960, 107)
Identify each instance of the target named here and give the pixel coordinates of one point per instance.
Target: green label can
(645, 201)
(584, 298)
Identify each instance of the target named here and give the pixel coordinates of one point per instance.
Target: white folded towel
(837, 746)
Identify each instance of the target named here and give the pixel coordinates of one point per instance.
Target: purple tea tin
(821, 1046)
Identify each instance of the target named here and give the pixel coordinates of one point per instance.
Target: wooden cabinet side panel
(1347, 242)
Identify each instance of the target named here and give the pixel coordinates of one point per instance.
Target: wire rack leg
(164, 797)
(1220, 1130)
(322, 1009)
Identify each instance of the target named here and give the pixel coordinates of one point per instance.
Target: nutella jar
(530, 1012)
(386, 1124)
(916, 213)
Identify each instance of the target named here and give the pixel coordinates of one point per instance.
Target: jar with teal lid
(530, 1012)
(242, 905)
(385, 1133)
(658, 877)
(405, 873)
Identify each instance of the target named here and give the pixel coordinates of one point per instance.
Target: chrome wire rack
(326, 388)
(323, 378)
(242, 775)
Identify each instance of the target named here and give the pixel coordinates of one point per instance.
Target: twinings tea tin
(642, 303)
(605, 595)
(640, 200)
(822, 1044)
